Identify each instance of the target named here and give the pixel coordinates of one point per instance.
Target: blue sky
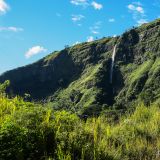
(31, 29)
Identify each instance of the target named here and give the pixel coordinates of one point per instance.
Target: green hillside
(78, 78)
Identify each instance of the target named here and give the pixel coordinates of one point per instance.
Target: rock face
(78, 78)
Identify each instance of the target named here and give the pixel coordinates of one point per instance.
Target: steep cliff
(78, 78)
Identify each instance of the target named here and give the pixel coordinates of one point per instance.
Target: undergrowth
(33, 131)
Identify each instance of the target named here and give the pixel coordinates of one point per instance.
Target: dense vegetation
(77, 78)
(33, 131)
(77, 114)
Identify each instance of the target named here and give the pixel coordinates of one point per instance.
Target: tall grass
(31, 131)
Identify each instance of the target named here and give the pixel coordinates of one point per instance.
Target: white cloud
(131, 7)
(114, 35)
(95, 32)
(34, 51)
(12, 29)
(111, 20)
(86, 3)
(96, 5)
(3, 7)
(140, 9)
(136, 8)
(83, 3)
(138, 12)
(142, 21)
(90, 39)
(96, 27)
(76, 18)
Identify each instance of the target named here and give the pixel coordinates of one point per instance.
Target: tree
(3, 86)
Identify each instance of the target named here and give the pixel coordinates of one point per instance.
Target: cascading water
(112, 64)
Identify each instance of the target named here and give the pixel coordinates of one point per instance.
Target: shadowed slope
(78, 78)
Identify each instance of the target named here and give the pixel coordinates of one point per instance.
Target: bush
(33, 131)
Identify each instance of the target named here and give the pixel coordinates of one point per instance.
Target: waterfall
(112, 64)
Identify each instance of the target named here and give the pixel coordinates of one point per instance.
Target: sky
(31, 29)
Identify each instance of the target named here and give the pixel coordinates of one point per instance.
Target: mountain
(79, 78)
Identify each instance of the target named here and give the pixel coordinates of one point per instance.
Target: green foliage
(69, 79)
(33, 131)
(77, 78)
(4, 86)
(82, 94)
(51, 56)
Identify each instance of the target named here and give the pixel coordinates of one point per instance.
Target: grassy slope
(140, 73)
(77, 78)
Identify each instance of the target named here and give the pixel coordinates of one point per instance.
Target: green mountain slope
(78, 78)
